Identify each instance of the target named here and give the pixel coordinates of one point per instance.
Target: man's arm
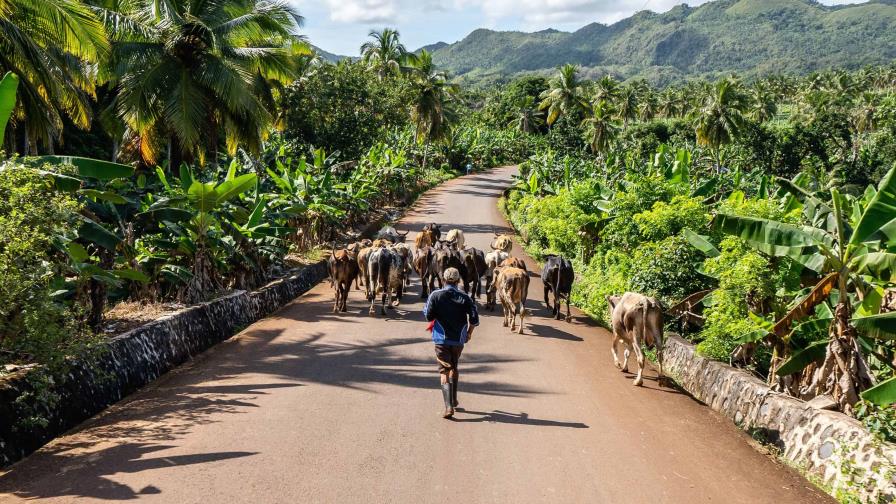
(428, 308)
(472, 316)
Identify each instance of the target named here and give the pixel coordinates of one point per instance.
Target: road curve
(310, 406)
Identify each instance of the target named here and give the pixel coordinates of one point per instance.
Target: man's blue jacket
(451, 310)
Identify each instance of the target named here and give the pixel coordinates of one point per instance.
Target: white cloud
(363, 11)
(531, 13)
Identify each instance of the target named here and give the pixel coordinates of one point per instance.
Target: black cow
(385, 272)
(436, 230)
(474, 262)
(444, 257)
(557, 276)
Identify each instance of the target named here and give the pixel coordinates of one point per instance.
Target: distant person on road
(453, 316)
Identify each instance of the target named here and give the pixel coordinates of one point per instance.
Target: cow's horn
(405, 233)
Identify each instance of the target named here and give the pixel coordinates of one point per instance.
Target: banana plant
(8, 86)
(848, 242)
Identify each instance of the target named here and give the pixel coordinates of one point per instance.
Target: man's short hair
(452, 276)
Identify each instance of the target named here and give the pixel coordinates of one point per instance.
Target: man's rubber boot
(446, 396)
(454, 393)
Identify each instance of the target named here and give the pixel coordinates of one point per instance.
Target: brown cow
(422, 262)
(343, 270)
(354, 250)
(512, 286)
(514, 262)
(404, 250)
(425, 238)
(636, 320)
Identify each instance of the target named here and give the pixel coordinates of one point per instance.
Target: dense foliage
(673, 194)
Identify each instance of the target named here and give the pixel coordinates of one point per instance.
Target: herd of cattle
(383, 267)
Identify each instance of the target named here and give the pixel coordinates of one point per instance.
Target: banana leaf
(89, 167)
(881, 265)
(131, 274)
(229, 189)
(700, 243)
(96, 233)
(61, 182)
(882, 394)
(881, 326)
(203, 196)
(7, 100)
(812, 353)
(772, 237)
(109, 196)
(879, 212)
(805, 306)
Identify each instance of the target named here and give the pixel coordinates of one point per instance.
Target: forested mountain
(328, 56)
(749, 37)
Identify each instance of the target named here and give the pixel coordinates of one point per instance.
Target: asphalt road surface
(311, 406)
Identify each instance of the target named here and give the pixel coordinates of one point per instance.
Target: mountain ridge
(748, 37)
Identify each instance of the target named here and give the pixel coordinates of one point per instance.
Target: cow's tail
(657, 338)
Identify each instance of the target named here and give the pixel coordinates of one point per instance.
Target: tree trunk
(844, 374)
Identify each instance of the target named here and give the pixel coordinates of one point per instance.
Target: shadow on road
(522, 418)
(85, 475)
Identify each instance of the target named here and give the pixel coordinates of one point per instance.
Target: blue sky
(341, 26)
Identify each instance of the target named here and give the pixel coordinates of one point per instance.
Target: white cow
(636, 320)
(456, 236)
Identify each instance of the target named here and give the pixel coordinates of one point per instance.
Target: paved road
(308, 406)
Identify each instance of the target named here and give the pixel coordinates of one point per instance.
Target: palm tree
(564, 95)
(627, 105)
(763, 104)
(433, 94)
(53, 46)
(528, 118)
(720, 119)
(606, 89)
(602, 127)
(192, 71)
(385, 53)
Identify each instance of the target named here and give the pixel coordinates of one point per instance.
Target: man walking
(453, 315)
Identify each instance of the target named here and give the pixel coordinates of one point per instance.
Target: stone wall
(133, 360)
(829, 445)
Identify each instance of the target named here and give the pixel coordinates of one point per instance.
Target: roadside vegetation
(169, 156)
(759, 213)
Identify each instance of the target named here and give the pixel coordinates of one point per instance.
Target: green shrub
(606, 274)
(33, 325)
(640, 195)
(745, 277)
(667, 219)
(666, 269)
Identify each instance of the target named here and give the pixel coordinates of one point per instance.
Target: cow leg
(639, 380)
(568, 316)
(348, 287)
(625, 354)
(547, 301)
(522, 314)
(337, 297)
(372, 300)
(614, 350)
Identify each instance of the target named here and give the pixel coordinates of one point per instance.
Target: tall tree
(385, 53)
(720, 118)
(528, 118)
(602, 128)
(564, 94)
(188, 72)
(431, 106)
(53, 46)
(627, 104)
